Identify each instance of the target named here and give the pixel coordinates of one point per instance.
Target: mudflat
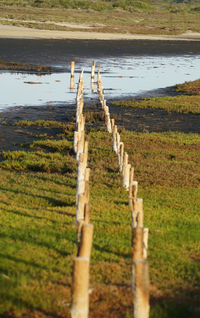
(57, 52)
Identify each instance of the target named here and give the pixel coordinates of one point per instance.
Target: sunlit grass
(38, 234)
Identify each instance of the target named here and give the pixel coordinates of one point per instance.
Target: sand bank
(8, 31)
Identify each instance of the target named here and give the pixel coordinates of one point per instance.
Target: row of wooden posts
(80, 279)
(140, 273)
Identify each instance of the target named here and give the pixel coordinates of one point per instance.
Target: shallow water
(121, 77)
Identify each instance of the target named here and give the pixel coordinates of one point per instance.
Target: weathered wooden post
(80, 211)
(87, 187)
(76, 138)
(112, 123)
(145, 242)
(72, 75)
(92, 86)
(137, 243)
(130, 197)
(140, 275)
(118, 141)
(80, 285)
(125, 162)
(86, 241)
(72, 83)
(87, 213)
(121, 156)
(115, 139)
(126, 176)
(140, 287)
(93, 70)
(72, 68)
(80, 146)
(137, 213)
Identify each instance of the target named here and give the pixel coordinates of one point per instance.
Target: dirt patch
(140, 120)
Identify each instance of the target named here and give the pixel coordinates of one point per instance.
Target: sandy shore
(7, 31)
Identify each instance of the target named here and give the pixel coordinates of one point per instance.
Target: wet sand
(60, 52)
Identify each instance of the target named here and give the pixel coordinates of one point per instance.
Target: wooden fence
(140, 272)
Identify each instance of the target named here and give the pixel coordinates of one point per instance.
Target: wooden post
(137, 213)
(87, 213)
(118, 141)
(140, 287)
(134, 190)
(93, 70)
(80, 187)
(80, 210)
(145, 242)
(112, 124)
(137, 243)
(80, 284)
(72, 68)
(76, 138)
(131, 189)
(82, 121)
(98, 75)
(115, 139)
(72, 83)
(126, 176)
(121, 156)
(108, 123)
(92, 86)
(81, 77)
(79, 227)
(80, 146)
(125, 162)
(86, 241)
(87, 187)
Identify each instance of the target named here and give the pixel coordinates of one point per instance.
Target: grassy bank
(148, 17)
(186, 101)
(16, 66)
(38, 235)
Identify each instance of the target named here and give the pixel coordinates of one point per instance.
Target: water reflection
(120, 76)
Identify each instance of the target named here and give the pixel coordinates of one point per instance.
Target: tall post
(93, 70)
(72, 75)
(86, 241)
(140, 287)
(80, 285)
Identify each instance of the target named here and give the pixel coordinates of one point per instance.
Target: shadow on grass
(30, 311)
(73, 186)
(52, 201)
(109, 251)
(19, 260)
(184, 304)
(32, 239)
(35, 216)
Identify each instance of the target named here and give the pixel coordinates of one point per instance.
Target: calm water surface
(121, 77)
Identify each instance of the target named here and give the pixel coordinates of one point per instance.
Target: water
(121, 77)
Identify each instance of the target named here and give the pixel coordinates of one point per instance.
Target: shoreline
(15, 32)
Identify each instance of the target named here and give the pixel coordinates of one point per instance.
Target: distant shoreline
(14, 32)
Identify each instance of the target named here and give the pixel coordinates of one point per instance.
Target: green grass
(189, 88)
(133, 16)
(24, 67)
(179, 104)
(38, 235)
(187, 102)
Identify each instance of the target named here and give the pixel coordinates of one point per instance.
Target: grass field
(38, 235)
(186, 101)
(133, 16)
